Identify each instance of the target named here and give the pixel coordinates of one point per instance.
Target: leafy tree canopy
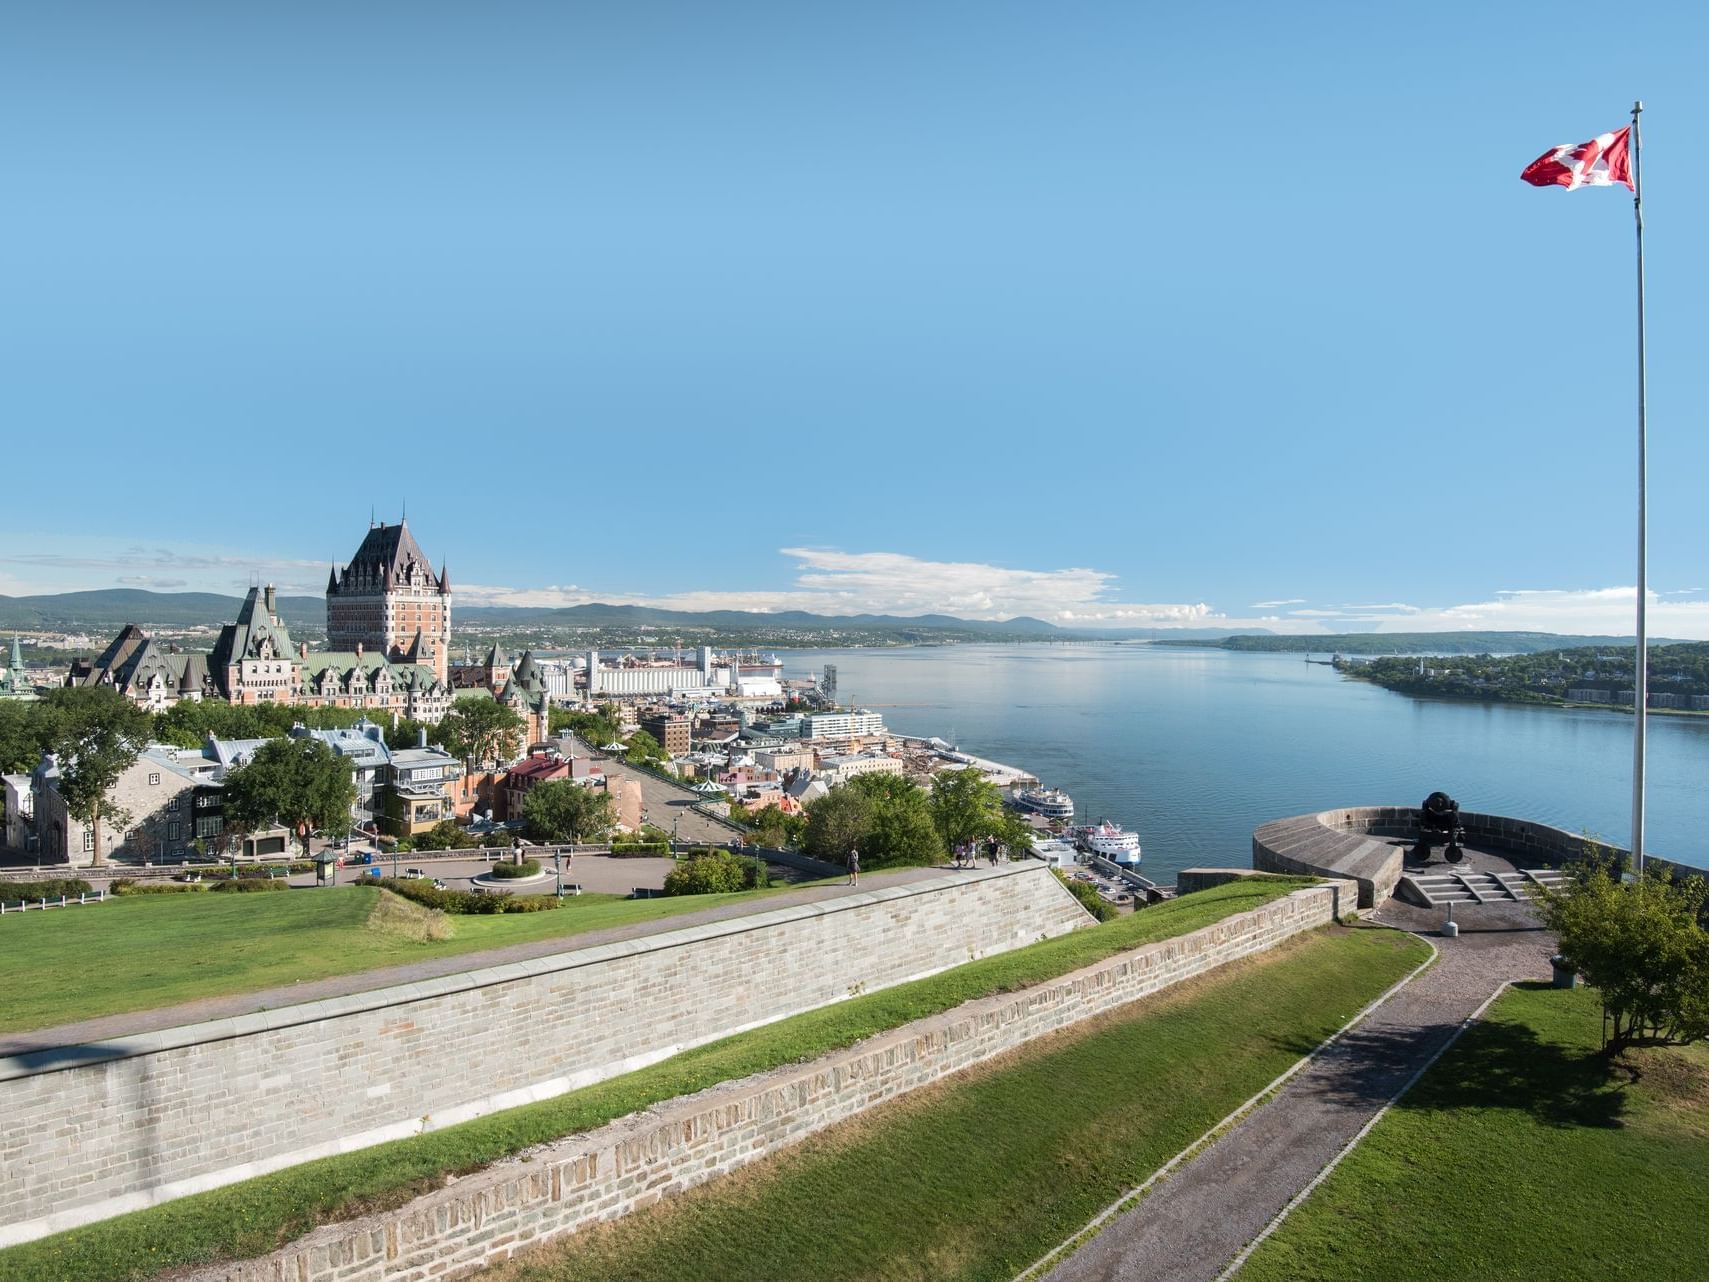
(967, 807)
(97, 734)
(886, 817)
(1642, 945)
(480, 730)
(299, 783)
(562, 812)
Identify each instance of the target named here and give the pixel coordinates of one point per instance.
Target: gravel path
(1190, 1226)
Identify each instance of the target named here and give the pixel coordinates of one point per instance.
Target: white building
(836, 770)
(841, 725)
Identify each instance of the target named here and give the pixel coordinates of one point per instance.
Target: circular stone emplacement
(489, 882)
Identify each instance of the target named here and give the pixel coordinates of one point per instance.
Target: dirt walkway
(1193, 1224)
(143, 1021)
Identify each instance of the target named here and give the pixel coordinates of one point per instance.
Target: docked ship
(1112, 841)
(1051, 803)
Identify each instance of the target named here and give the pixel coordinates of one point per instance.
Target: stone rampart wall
(1347, 843)
(634, 1162)
(118, 1125)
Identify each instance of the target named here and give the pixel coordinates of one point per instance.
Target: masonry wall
(123, 1124)
(623, 1167)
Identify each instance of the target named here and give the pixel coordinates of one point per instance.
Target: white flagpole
(1641, 670)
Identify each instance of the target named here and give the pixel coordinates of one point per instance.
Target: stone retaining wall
(123, 1124)
(632, 1163)
(1348, 843)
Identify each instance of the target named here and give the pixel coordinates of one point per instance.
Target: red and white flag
(1601, 162)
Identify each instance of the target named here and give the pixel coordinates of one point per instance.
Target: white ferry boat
(1052, 803)
(1112, 841)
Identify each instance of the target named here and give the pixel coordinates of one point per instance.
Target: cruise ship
(1112, 841)
(1052, 803)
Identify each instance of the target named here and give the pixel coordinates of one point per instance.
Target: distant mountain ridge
(112, 608)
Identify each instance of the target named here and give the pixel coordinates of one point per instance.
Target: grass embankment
(1524, 1153)
(259, 1215)
(979, 1176)
(177, 948)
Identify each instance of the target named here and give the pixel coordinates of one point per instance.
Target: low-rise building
(525, 776)
(418, 792)
(673, 731)
(840, 769)
(783, 760)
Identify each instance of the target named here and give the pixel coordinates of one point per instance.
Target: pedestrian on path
(854, 866)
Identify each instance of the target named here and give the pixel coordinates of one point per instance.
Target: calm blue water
(1196, 748)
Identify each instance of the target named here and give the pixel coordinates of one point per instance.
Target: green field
(1522, 1154)
(980, 1176)
(254, 1217)
(158, 950)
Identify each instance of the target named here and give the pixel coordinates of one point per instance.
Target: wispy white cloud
(1276, 605)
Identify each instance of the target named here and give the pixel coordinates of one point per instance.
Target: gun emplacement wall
(1347, 843)
(118, 1125)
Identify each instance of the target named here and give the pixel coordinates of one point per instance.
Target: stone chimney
(421, 737)
(302, 649)
(358, 649)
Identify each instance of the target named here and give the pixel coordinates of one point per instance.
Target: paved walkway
(144, 1021)
(669, 805)
(1192, 1224)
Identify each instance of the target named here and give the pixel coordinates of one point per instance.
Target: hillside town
(387, 699)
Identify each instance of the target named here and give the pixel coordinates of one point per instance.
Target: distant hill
(1413, 643)
(599, 615)
(115, 607)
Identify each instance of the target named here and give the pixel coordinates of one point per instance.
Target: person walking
(854, 866)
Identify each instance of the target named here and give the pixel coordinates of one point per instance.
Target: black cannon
(1439, 820)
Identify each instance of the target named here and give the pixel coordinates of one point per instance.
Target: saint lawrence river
(1194, 749)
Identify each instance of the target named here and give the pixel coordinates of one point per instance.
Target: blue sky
(1099, 312)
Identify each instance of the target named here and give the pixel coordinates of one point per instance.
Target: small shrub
(127, 886)
(247, 885)
(716, 872)
(1088, 896)
(653, 849)
(497, 840)
(514, 872)
(462, 902)
(52, 888)
(444, 835)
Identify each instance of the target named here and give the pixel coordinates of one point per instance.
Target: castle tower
(386, 596)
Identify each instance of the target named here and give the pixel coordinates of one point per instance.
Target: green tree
(837, 822)
(407, 733)
(772, 827)
(1642, 946)
(900, 828)
(97, 734)
(966, 807)
(24, 735)
(562, 812)
(298, 783)
(480, 730)
(643, 747)
(600, 727)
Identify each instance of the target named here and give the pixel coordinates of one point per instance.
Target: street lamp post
(558, 870)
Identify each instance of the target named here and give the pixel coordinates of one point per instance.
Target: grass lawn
(1522, 1154)
(176, 948)
(979, 1176)
(258, 1215)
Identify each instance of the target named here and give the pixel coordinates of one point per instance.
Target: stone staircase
(1437, 889)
